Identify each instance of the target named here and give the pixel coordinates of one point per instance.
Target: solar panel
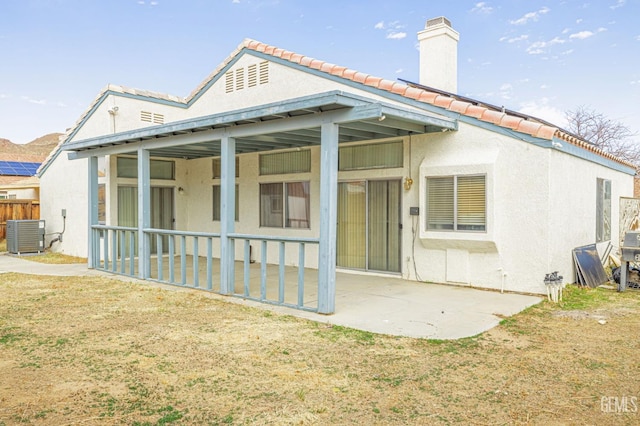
(18, 168)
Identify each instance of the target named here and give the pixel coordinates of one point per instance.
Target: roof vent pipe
(439, 55)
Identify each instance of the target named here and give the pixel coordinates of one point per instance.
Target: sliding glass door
(369, 228)
(161, 210)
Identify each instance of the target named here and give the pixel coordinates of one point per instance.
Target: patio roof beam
(363, 112)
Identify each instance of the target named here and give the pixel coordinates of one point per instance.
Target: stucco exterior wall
(65, 187)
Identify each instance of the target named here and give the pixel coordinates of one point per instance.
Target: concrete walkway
(385, 305)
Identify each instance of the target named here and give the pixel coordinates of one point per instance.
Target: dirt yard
(84, 351)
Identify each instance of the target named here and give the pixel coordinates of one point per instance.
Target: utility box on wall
(25, 236)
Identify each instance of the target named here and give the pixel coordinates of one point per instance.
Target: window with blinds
(216, 203)
(376, 156)
(457, 203)
(285, 162)
(159, 169)
(217, 170)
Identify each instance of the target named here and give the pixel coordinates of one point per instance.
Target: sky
(542, 58)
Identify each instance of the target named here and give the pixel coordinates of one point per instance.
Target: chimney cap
(438, 21)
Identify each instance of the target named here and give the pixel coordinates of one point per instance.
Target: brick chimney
(439, 55)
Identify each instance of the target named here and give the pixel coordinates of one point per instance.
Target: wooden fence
(17, 210)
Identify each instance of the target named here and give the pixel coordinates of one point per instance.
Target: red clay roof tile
(511, 121)
(338, 70)
(315, 64)
(372, 81)
(475, 111)
(413, 93)
(428, 97)
(546, 132)
(349, 73)
(443, 101)
(296, 57)
(360, 77)
(399, 88)
(305, 61)
(459, 106)
(492, 116)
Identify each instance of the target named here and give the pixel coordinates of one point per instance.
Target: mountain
(35, 151)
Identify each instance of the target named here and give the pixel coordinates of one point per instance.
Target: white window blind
(457, 203)
(285, 162)
(377, 156)
(159, 169)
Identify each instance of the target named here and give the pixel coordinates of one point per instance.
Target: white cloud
(579, 20)
(542, 109)
(399, 71)
(539, 47)
(635, 82)
(619, 3)
(601, 29)
(396, 35)
(34, 101)
(61, 104)
(518, 38)
(506, 90)
(393, 29)
(482, 7)
(581, 35)
(567, 52)
(531, 16)
(235, 1)
(638, 38)
(544, 86)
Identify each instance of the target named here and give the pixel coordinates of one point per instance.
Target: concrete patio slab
(379, 304)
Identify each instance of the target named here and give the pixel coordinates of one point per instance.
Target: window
(377, 156)
(603, 210)
(285, 162)
(456, 203)
(160, 169)
(102, 214)
(217, 170)
(216, 203)
(285, 204)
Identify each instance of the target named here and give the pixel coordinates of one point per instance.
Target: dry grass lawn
(91, 350)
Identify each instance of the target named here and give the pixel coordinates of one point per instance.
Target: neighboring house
(17, 178)
(345, 170)
(19, 164)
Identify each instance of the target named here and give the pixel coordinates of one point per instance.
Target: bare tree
(609, 135)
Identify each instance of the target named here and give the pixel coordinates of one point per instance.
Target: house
(278, 160)
(19, 164)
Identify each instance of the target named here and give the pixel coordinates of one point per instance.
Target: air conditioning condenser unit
(25, 236)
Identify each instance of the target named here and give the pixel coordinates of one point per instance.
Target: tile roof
(465, 106)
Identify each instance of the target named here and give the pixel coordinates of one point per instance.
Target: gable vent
(151, 117)
(228, 84)
(251, 76)
(240, 79)
(264, 72)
